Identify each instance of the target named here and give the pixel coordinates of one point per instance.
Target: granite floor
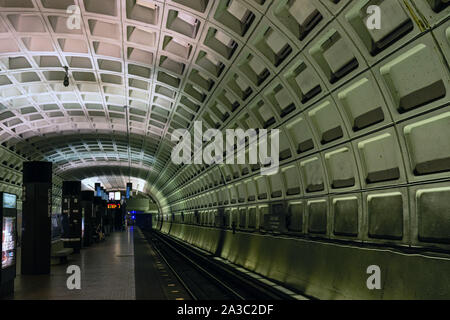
(123, 267)
(107, 273)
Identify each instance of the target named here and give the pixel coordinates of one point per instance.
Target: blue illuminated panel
(9, 201)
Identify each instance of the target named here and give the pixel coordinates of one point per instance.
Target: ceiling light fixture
(66, 77)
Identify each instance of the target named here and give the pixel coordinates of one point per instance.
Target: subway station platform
(123, 267)
(162, 114)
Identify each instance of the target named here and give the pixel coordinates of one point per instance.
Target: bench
(59, 254)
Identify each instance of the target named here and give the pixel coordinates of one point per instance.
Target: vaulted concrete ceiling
(309, 67)
(163, 59)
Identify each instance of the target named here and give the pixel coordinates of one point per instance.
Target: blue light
(133, 217)
(129, 188)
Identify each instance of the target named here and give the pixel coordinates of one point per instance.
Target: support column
(88, 214)
(71, 215)
(36, 217)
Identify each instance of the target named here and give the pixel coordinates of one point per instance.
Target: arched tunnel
(357, 91)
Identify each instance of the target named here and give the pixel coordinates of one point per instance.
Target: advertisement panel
(8, 242)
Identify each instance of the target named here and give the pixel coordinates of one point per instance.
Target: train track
(205, 278)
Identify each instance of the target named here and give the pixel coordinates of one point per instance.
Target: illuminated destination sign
(113, 205)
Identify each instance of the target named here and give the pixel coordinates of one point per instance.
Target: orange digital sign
(113, 206)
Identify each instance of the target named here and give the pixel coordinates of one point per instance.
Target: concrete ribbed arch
(58, 147)
(114, 177)
(308, 67)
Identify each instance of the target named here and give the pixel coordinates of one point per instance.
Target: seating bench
(59, 254)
